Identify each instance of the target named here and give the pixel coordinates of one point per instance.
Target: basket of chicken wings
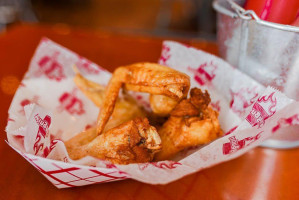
(78, 124)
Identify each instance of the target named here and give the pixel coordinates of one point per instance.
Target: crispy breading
(126, 108)
(122, 137)
(193, 122)
(144, 77)
(131, 142)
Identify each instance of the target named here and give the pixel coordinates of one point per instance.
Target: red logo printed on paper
(242, 99)
(205, 73)
(162, 165)
(71, 103)
(86, 65)
(49, 66)
(165, 55)
(88, 126)
(216, 105)
(281, 79)
(262, 110)
(286, 122)
(109, 165)
(65, 159)
(10, 120)
(231, 130)
(26, 102)
(141, 100)
(235, 144)
(42, 141)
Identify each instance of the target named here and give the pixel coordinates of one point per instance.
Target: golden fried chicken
(191, 123)
(122, 137)
(131, 142)
(126, 108)
(166, 86)
(124, 140)
(92, 90)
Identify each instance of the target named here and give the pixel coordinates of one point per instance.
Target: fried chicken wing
(131, 142)
(126, 108)
(166, 86)
(127, 138)
(94, 91)
(191, 123)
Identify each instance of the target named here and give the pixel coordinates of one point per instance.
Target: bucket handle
(249, 15)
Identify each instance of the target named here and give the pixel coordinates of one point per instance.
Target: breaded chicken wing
(131, 142)
(166, 86)
(126, 108)
(192, 122)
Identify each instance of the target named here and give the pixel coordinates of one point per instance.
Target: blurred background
(178, 18)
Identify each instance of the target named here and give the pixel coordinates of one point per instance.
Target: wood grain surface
(261, 173)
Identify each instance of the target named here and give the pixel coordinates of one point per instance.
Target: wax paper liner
(48, 109)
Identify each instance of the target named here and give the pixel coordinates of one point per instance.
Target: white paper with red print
(48, 108)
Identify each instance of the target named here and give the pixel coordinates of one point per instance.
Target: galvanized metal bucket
(266, 51)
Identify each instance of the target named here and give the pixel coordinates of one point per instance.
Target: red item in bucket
(278, 11)
(296, 22)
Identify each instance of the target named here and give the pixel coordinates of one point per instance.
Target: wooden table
(259, 174)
